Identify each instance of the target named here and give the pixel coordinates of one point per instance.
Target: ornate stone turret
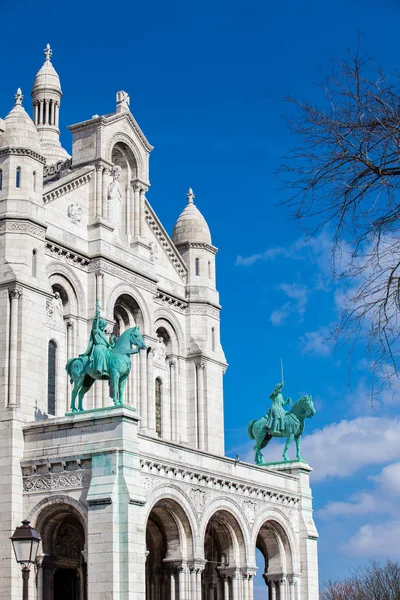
(21, 159)
(192, 238)
(46, 98)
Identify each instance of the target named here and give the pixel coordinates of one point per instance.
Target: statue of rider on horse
(279, 422)
(104, 359)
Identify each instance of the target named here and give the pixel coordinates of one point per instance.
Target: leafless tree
(344, 175)
(377, 582)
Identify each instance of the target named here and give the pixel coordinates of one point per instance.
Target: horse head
(136, 339)
(308, 405)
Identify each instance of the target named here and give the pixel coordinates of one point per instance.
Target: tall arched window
(197, 266)
(18, 177)
(34, 262)
(1, 179)
(51, 378)
(34, 181)
(158, 395)
(209, 269)
(213, 338)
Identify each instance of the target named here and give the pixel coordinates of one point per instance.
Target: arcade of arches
(182, 564)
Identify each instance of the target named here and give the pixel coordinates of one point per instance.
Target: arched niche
(64, 569)
(127, 313)
(169, 543)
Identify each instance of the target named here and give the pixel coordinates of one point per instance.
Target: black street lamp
(25, 541)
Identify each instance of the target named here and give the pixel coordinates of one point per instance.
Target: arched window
(34, 262)
(51, 378)
(34, 181)
(158, 390)
(209, 269)
(18, 177)
(197, 266)
(1, 179)
(213, 338)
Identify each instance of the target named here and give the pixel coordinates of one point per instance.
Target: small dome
(20, 132)
(191, 226)
(47, 77)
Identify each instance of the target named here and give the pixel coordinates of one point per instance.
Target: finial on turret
(190, 196)
(48, 52)
(18, 97)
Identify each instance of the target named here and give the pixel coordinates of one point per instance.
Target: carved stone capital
(200, 366)
(70, 324)
(197, 565)
(15, 294)
(172, 364)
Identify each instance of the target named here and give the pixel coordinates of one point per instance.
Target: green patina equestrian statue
(281, 423)
(104, 359)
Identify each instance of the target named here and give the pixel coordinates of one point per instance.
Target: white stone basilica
(137, 502)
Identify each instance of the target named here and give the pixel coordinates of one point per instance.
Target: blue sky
(206, 81)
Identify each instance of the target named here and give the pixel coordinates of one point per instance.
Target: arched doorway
(224, 552)
(276, 561)
(63, 574)
(169, 547)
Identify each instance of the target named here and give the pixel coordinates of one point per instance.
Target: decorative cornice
(72, 258)
(165, 241)
(204, 309)
(165, 299)
(203, 245)
(65, 188)
(23, 152)
(21, 226)
(99, 501)
(106, 266)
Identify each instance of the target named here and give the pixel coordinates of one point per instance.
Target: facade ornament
(48, 52)
(160, 352)
(115, 201)
(15, 294)
(281, 423)
(153, 252)
(74, 212)
(190, 196)
(18, 97)
(200, 366)
(58, 309)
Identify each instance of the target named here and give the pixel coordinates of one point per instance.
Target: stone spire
(46, 98)
(191, 226)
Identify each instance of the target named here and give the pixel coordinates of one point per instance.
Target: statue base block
(287, 465)
(99, 410)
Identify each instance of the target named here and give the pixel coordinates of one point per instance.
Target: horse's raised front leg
(298, 443)
(289, 440)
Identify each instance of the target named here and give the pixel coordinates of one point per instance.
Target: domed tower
(46, 98)
(206, 361)
(192, 238)
(21, 159)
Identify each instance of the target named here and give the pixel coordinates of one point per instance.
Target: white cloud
(389, 479)
(380, 540)
(361, 503)
(341, 449)
(317, 342)
(298, 295)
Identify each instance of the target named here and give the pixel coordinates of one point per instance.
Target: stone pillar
(141, 211)
(200, 405)
(143, 388)
(35, 113)
(46, 112)
(15, 295)
(292, 590)
(182, 590)
(57, 114)
(151, 409)
(99, 189)
(198, 585)
(282, 589)
(136, 211)
(173, 406)
(104, 210)
(235, 586)
(172, 585)
(226, 588)
(53, 113)
(193, 580)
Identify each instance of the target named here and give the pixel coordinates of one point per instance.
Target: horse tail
(250, 430)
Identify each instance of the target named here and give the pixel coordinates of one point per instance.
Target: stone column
(198, 584)
(200, 405)
(292, 590)
(182, 590)
(57, 114)
(46, 112)
(35, 113)
(235, 586)
(99, 189)
(282, 589)
(173, 407)
(151, 409)
(53, 113)
(193, 580)
(136, 210)
(15, 295)
(172, 585)
(104, 210)
(143, 389)
(141, 210)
